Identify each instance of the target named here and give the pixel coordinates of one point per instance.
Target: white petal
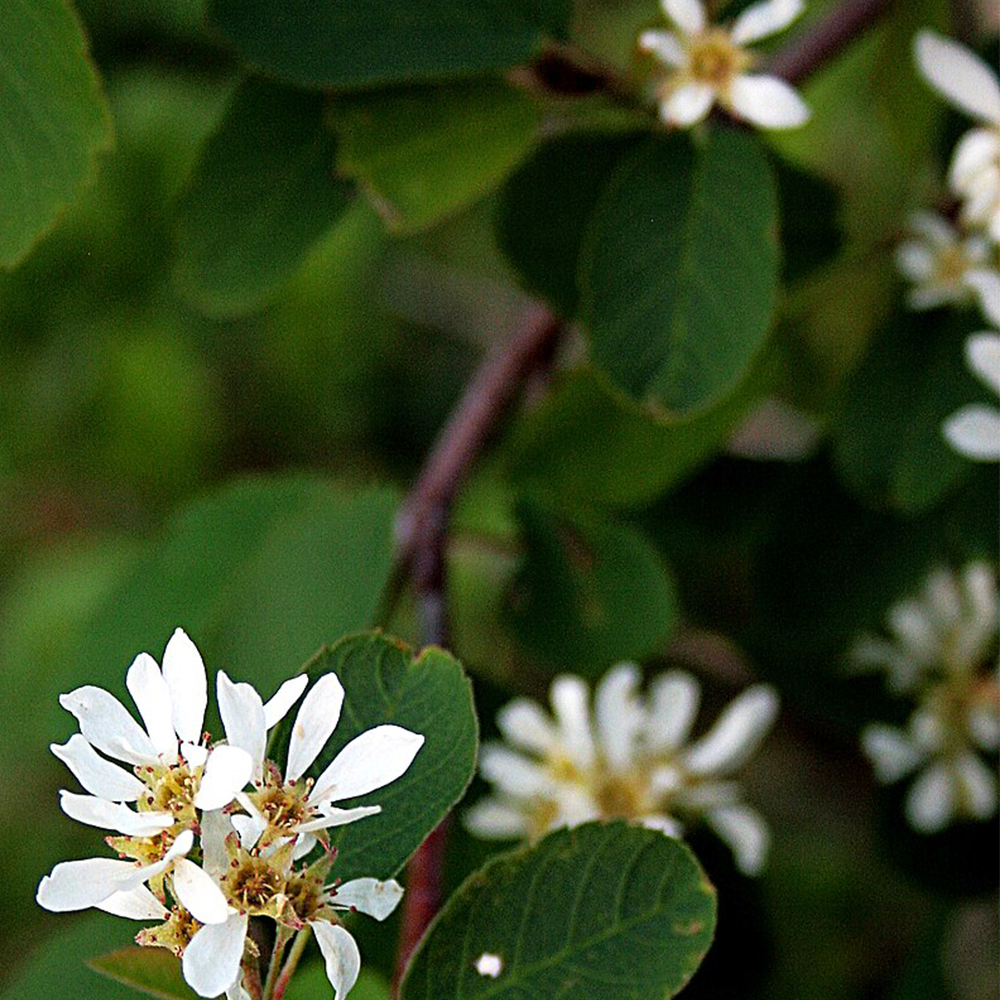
(746, 833)
(915, 260)
(370, 761)
(571, 705)
(227, 771)
(512, 772)
(77, 885)
(932, 296)
(959, 75)
(765, 18)
(340, 952)
(944, 601)
(369, 896)
(736, 734)
(913, 628)
(493, 819)
(665, 45)
(984, 726)
(892, 753)
(195, 754)
(215, 827)
(574, 805)
(934, 228)
(198, 893)
(211, 962)
(619, 714)
(236, 991)
(278, 705)
(978, 786)
(665, 824)
(675, 698)
(242, 714)
(976, 151)
(767, 101)
(928, 731)
(249, 829)
(982, 351)
(708, 795)
(99, 776)
(974, 431)
(135, 904)
(181, 846)
(113, 815)
(331, 816)
(688, 15)
(184, 672)
(987, 283)
(687, 104)
(152, 697)
(525, 725)
(108, 726)
(303, 846)
(317, 719)
(930, 803)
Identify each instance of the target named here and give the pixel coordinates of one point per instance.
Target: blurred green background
(240, 477)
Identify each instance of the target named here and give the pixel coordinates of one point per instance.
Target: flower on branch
(708, 64)
(632, 760)
(940, 655)
(972, 86)
(974, 430)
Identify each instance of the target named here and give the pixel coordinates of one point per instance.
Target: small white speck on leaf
(489, 965)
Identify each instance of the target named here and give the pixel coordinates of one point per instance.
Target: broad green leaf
(53, 120)
(680, 267)
(545, 208)
(810, 226)
(428, 694)
(424, 153)
(263, 193)
(311, 983)
(260, 573)
(589, 593)
(888, 444)
(153, 971)
(365, 43)
(602, 912)
(586, 447)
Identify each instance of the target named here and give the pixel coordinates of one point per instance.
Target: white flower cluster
(708, 64)
(226, 802)
(632, 761)
(939, 655)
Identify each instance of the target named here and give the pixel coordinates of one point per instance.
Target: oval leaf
(153, 971)
(602, 912)
(680, 269)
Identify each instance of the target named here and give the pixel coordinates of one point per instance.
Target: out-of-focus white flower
(972, 86)
(710, 64)
(940, 655)
(632, 760)
(938, 259)
(974, 430)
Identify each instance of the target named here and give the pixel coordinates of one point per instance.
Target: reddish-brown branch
(422, 531)
(813, 49)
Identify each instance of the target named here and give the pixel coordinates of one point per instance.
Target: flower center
(252, 883)
(952, 263)
(305, 895)
(715, 60)
(175, 933)
(170, 788)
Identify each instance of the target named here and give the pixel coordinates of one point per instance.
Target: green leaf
(263, 193)
(601, 912)
(423, 153)
(586, 447)
(680, 269)
(365, 43)
(811, 234)
(260, 573)
(153, 971)
(311, 983)
(427, 694)
(546, 206)
(589, 593)
(53, 120)
(888, 443)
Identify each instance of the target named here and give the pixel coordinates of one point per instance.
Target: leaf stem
(291, 963)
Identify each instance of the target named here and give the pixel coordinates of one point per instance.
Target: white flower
(974, 430)
(631, 761)
(938, 655)
(938, 260)
(709, 65)
(259, 883)
(968, 83)
(286, 807)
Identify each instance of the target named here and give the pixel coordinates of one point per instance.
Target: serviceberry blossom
(941, 656)
(632, 760)
(974, 430)
(938, 259)
(972, 86)
(709, 64)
